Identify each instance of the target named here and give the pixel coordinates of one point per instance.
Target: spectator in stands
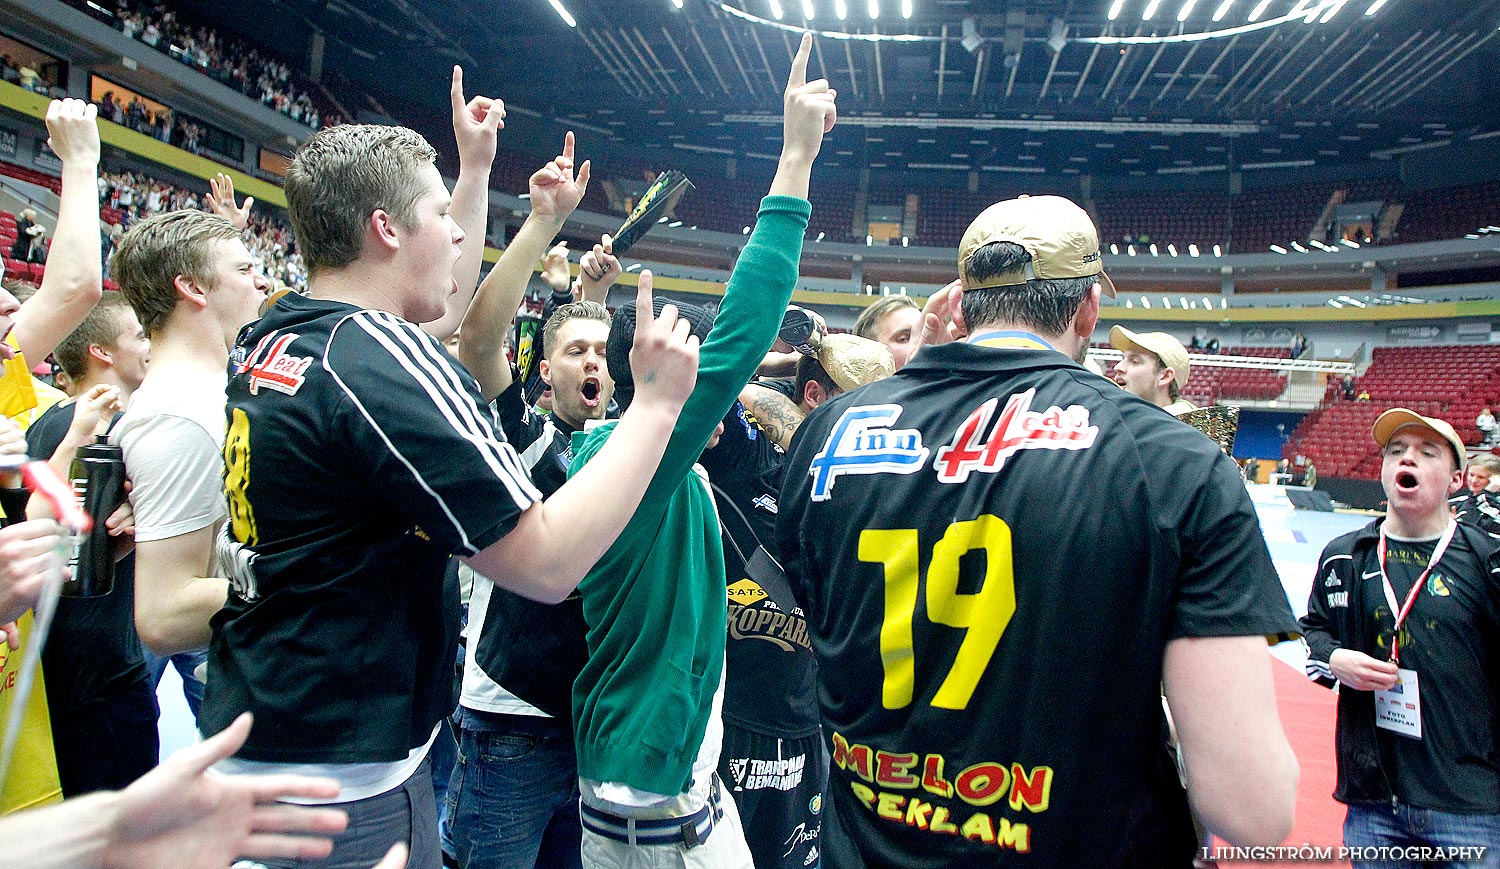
(27, 231)
(894, 321)
(1403, 618)
(1154, 366)
(1485, 422)
(1347, 387)
(1310, 475)
(1364, 395)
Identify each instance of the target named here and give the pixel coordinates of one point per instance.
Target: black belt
(691, 830)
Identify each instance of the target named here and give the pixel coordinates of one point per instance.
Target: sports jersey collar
(961, 357)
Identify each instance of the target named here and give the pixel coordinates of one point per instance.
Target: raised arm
(475, 125)
(221, 201)
(555, 193)
(597, 271)
(74, 279)
(1241, 773)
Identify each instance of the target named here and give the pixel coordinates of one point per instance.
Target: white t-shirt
(173, 439)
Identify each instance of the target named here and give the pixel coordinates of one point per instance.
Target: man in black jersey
(991, 649)
(100, 695)
(1404, 617)
(358, 458)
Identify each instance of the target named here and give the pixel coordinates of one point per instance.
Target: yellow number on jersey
(983, 615)
(237, 478)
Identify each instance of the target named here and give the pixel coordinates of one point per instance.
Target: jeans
(185, 662)
(513, 798)
(1370, 824)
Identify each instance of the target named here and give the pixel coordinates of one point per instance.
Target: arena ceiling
(1030, 90)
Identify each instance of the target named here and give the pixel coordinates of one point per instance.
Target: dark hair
(809, 369)
(1045, 305)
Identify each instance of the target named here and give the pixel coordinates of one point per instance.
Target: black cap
(622, 338)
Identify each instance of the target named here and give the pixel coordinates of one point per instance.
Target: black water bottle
(99, 481)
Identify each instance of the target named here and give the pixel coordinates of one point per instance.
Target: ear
(1456, 483)
(545, 371)
(384, 230)
(813, 393)
(1087, 317)
(101, 354)
(1166, 376)
(188, 289)
(955, 309)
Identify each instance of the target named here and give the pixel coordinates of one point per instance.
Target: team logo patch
(863, 442)
(270, 366)
(978, 447)
(746, 591)
(765, 502)
(815, 805)
(1436, 587)
(737, 771)
(1333, 580)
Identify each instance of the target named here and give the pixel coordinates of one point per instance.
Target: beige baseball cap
(1397, 418)
(1168, 349)
(1057, 233)
(852, 361)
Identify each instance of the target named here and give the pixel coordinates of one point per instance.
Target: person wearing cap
(1404, 618)
(991, 656)
(835, 364)
(1154, 366)
(772, 762)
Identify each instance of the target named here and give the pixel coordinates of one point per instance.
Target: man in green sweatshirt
(646, 706)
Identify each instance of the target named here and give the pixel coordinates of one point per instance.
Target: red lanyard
(1416, 587)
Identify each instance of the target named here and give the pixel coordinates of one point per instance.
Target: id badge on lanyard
(1399, 709)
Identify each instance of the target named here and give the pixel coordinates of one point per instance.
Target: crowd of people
(242, 67)
(268, 237)
(733, 591)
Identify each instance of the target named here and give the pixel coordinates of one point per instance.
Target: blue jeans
(513, 798)
(185, 663)
(1370, 824)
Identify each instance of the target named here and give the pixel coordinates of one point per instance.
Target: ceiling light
(1223, 303)
(841, 9)
(1349, 242)
(1192, 250)
(776, 10)
(677, 3)
(1129, 304)
(1186, 10)
(874, 9)
(1145, 303)
(1278, 249)
(1298, 248)
(1130, 249)
(905, 8)
(1259, 8)
(1150, 11)
(1218, 251)
(1184, 301)
(1166, 302)
(1114, 249)
(1172, 249)
(1115, 9)
(1334, 303)
(1222, 10)
(807, 10)
(1375, 7)
(567, 16)
(1153, 248)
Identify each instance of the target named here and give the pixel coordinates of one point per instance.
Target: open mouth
(590, 392)
(7, 351)
(1406, 481)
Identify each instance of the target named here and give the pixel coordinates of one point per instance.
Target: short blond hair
(344, 174)
(153, 252)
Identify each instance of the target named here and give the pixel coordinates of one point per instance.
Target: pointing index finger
(644, 313)
(456, 90)
(798, 78)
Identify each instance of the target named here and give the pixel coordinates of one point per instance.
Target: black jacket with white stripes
(359, 457)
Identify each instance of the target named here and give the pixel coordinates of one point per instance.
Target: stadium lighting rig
(1280, 12)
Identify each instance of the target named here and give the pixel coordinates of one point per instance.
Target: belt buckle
(690, 835)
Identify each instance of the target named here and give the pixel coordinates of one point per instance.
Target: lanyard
(1416, 587)
(1011, 339)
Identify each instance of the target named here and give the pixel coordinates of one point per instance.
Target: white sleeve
(177, 477)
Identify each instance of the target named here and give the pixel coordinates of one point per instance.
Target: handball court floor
(1295, 537)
